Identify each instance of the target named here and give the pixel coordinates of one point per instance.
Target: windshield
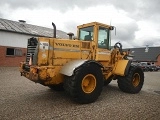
(103, 37)
(86, 33)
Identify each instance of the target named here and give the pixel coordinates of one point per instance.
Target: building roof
(142, 54)
(24, 28)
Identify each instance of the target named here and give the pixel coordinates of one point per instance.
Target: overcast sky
(137, 21)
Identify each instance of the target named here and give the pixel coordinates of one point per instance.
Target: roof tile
(14, 26)
(141, 55)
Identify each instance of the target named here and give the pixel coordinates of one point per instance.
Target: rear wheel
(85, 85)
(58, 87)
(133, 82)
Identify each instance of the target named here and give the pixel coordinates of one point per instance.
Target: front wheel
(107, 82)
(85, 85)
(133, 82)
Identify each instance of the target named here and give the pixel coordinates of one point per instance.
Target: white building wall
(13, 39)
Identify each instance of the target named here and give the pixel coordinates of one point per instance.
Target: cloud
(71, 26)
(126, 32)
(137, 22)
(152, 41)
(145, 10)
(136, 7)
(64, 5)
(1, 15)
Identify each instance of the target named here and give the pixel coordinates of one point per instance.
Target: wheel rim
(136, 79)
(88, 83)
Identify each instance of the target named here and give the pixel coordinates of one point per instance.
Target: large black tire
(106, 82)
(133, 82)
(58, 87)
(86, 84)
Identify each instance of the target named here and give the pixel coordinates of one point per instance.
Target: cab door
(86, 37)
(103, 52)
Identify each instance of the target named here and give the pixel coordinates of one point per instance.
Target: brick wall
(11, 61)
(158, 60)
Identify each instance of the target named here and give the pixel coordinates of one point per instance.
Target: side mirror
(111, 27)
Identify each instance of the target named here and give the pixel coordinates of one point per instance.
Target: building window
(18, 52)
(10, 51)
(13, 52)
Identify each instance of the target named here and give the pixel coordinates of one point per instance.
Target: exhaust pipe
(70, 35)
(54, 31)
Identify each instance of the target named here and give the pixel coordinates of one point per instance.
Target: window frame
(100, 45)
(91, 34)
(17, 52)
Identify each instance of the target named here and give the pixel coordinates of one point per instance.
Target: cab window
(86, 33)
(103, 38)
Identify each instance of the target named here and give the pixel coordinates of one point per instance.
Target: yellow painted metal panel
(103, 57)
(67, 44)
(42, 73)
(60, 62)
(86, 54)
(93, 23)
(50, 74)
(120, 67)
(67, 54)
(55, 80)
(43, 51)
(53, 75)
(103, 54)
(51, 51)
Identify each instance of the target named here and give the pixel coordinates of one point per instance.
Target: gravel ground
(21, 99)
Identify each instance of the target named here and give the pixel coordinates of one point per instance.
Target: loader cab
(95, 32)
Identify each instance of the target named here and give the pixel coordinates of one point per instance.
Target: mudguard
(69, 68)
(122, 67)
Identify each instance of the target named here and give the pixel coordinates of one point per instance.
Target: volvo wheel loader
(83, 65)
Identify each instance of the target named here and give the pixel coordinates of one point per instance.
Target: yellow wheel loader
(83, 65)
